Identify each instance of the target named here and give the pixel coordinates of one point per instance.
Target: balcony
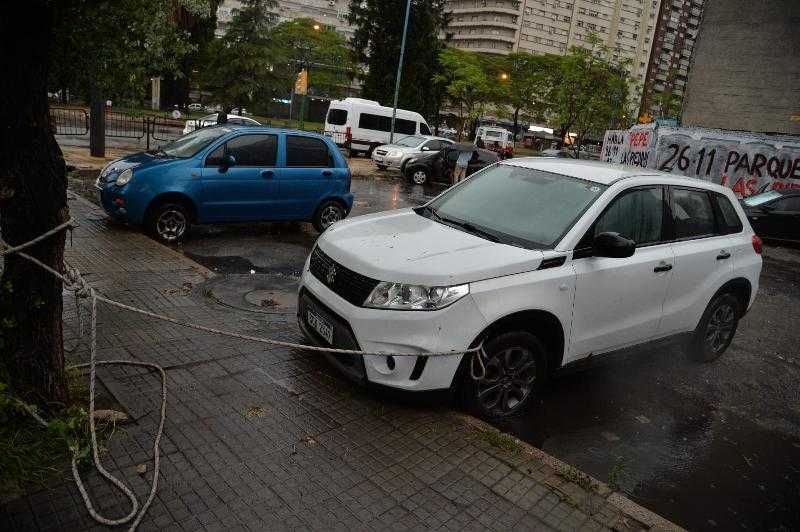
(483, 10)
(483, 24)
(511, 39)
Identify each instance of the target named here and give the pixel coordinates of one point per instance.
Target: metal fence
(69, 121)
(123, 125)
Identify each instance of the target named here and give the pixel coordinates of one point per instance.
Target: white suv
(545, 262)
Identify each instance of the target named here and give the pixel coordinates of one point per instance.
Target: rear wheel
(169, 222)
(716, 329)
(516, 367)
(327, 214)
(419, 176)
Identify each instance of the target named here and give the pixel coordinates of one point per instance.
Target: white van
(366, 123)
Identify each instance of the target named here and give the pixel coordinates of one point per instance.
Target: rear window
(307, 152)
(728, 221)
(337, 117)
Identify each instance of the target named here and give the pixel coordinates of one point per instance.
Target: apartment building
(552, 26)
(675, 34)
(330, 13)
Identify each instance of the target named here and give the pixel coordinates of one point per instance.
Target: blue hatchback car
(229, 174)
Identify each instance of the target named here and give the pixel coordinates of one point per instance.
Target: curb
(627, 507)
(205, 272)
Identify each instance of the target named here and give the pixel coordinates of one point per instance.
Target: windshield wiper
(468, 227)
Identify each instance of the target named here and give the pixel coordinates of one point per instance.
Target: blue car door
(246, 191)
(309, 174)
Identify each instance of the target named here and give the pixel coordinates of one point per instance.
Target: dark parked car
(439, 166)
(775, 213)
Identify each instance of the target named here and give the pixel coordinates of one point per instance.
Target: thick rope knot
(75, 283)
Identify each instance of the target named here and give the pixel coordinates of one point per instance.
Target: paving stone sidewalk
(263, 438)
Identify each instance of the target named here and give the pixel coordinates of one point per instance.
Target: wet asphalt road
(709, 446)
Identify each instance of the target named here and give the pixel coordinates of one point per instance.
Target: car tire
(419, 176)
(716, 329)
(328, 213)
(169, 222)
(516, 368)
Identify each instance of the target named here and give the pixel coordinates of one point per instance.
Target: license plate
(320, 325)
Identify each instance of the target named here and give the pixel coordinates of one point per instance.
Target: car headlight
(401, 296)
(124, 177)
(393, 153)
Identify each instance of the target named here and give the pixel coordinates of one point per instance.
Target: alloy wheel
(720, 328)
(419, 177)
(330, 214)
(510, 377)
(171, 225)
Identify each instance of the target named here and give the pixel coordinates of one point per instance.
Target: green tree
(467, 83)
(376, 44)
(524, 82)
(245, 63)
(117, 46)
(303, 43)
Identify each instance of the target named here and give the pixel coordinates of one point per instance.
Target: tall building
(552, 26)
(674, 39)
(331, 13)
(745, 72)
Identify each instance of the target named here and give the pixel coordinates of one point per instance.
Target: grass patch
(500, 440)
(32, 455)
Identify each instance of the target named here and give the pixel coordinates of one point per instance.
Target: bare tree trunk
(33, 200)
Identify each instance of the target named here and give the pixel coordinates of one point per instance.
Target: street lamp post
(306, 66)
(399, 70)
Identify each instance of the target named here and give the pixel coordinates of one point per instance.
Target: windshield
(493, 134)
(411, 141)
(188, 145)
(760, 199)
(516, 205)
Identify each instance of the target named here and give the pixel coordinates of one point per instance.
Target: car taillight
(757, 244)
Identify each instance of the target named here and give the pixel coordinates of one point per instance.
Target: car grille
(381, 152)
(347, 284)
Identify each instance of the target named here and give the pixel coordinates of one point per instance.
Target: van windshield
(337, 117)
(514, 205)
(412, 141)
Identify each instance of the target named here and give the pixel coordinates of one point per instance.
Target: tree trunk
(33, 199)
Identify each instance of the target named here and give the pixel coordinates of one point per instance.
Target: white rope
(74, 282)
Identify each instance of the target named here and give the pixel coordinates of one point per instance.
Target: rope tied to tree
(82, 290)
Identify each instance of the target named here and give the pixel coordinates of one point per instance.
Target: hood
(396, 147)
(144, 159)
(402, 246)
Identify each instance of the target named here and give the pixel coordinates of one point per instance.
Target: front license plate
(319, 324)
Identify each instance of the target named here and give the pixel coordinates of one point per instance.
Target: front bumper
(452, 328)
(393, 163)
(112, 201)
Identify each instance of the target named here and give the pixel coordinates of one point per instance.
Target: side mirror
(425, 148)
(613, 245)
(227, 161)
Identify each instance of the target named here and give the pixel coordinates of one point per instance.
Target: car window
(190, 144)
(253, 150)
(787, 204)
(406, 127)
(410, 142)
(424, 129)
(337, 117)
(307, 152)
(637, 214)
(692, 213)
(376, 122)
(728, 221)
(215, 158)
(433, 145)
(760, 199)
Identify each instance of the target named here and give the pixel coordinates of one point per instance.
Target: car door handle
(267, 174)
(327, 173)
(662, 268)
(723, 255)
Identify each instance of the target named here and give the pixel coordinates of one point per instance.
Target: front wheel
(516, 367)
(169, 223)
(419, 176)
(327, 214)
(716, 329)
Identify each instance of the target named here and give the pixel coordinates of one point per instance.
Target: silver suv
(394, 156)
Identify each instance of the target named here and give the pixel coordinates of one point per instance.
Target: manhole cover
(271, 299)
